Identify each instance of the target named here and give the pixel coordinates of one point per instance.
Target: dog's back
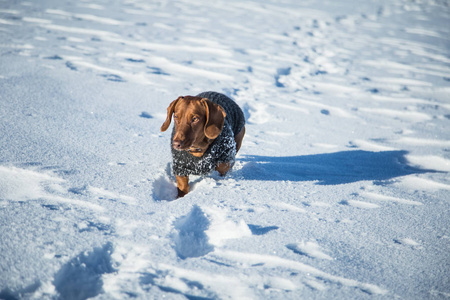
(235, 116)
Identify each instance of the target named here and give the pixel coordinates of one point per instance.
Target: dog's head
(196, 120)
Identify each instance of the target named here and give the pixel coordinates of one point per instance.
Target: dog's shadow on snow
(329, 168)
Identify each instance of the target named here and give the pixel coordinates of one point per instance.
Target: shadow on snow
(330, 168)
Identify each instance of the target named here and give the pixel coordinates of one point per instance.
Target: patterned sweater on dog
(221, 150)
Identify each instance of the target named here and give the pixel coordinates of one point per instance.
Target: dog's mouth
(181, 145)
(184, 147)
(194, 150)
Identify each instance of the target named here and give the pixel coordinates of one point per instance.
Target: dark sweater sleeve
(227, 147)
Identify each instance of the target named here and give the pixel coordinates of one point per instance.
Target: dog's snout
(177, 144)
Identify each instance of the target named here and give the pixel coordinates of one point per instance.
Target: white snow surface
(341, 189)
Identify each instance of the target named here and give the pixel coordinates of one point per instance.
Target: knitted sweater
(221, 150)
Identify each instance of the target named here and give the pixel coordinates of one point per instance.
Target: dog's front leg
(182, 185)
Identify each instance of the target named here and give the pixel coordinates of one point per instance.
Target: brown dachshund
(208, 133)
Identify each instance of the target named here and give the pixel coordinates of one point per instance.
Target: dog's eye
(195, 119)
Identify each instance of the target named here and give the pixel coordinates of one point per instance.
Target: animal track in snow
(359, 204)
(81, 277)
(310, 249)
(407, 242)
(261, 230)
(145, 115)
(106, 229)
(280, 73)
(256, 113)
(191, 239)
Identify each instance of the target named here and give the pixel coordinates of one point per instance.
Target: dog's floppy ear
(215, 117)
(170, 111)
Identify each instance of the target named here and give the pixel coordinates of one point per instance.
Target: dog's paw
(180, 193)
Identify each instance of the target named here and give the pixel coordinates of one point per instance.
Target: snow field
(340, 189)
